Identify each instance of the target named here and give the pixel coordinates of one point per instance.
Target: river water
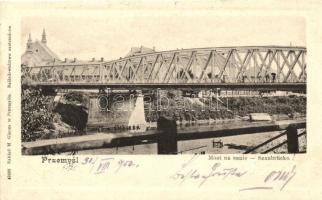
(222, 145)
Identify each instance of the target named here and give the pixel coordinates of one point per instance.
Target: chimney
(93, 59)
(102, 59)
(65, 60)
(75, 59)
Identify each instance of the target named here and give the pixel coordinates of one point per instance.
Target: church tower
(37, 52)
(29, 44)
(43, 39)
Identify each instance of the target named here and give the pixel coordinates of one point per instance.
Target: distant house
(37, 53)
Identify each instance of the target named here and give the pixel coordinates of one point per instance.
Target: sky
(112, 37)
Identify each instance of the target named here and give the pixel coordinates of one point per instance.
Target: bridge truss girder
(191, 66)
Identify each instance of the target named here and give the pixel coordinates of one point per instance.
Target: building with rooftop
(37, 53)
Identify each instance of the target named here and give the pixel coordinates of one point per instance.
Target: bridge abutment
(116, 110)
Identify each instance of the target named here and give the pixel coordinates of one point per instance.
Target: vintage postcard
(162, 100)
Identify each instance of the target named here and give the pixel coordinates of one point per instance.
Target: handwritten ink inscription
(69, 167)
(189, 171)
(275, 179)
(108, 164)
(216, 170)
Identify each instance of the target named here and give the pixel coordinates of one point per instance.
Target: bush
(35, 115)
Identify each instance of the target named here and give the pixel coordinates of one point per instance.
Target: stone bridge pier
(116, 111)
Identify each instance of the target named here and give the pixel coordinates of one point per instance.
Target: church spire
(29, 43)
(43, 39)
(29, 39)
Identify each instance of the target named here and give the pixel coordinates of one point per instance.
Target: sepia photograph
(163, 85)
(160, 100)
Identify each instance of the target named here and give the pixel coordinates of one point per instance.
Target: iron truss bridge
(258, 67)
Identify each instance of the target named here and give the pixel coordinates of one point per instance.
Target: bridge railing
(166, 138)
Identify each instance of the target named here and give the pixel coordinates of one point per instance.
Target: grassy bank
(42, 118)
(181, 108)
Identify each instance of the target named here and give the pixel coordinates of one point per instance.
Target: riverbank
(43, 118)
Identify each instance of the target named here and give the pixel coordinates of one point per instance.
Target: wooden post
(292, 139)
(167, 139)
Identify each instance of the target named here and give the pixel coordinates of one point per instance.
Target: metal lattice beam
(194, 66)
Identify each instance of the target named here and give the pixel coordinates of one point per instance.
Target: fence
(166, 136)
